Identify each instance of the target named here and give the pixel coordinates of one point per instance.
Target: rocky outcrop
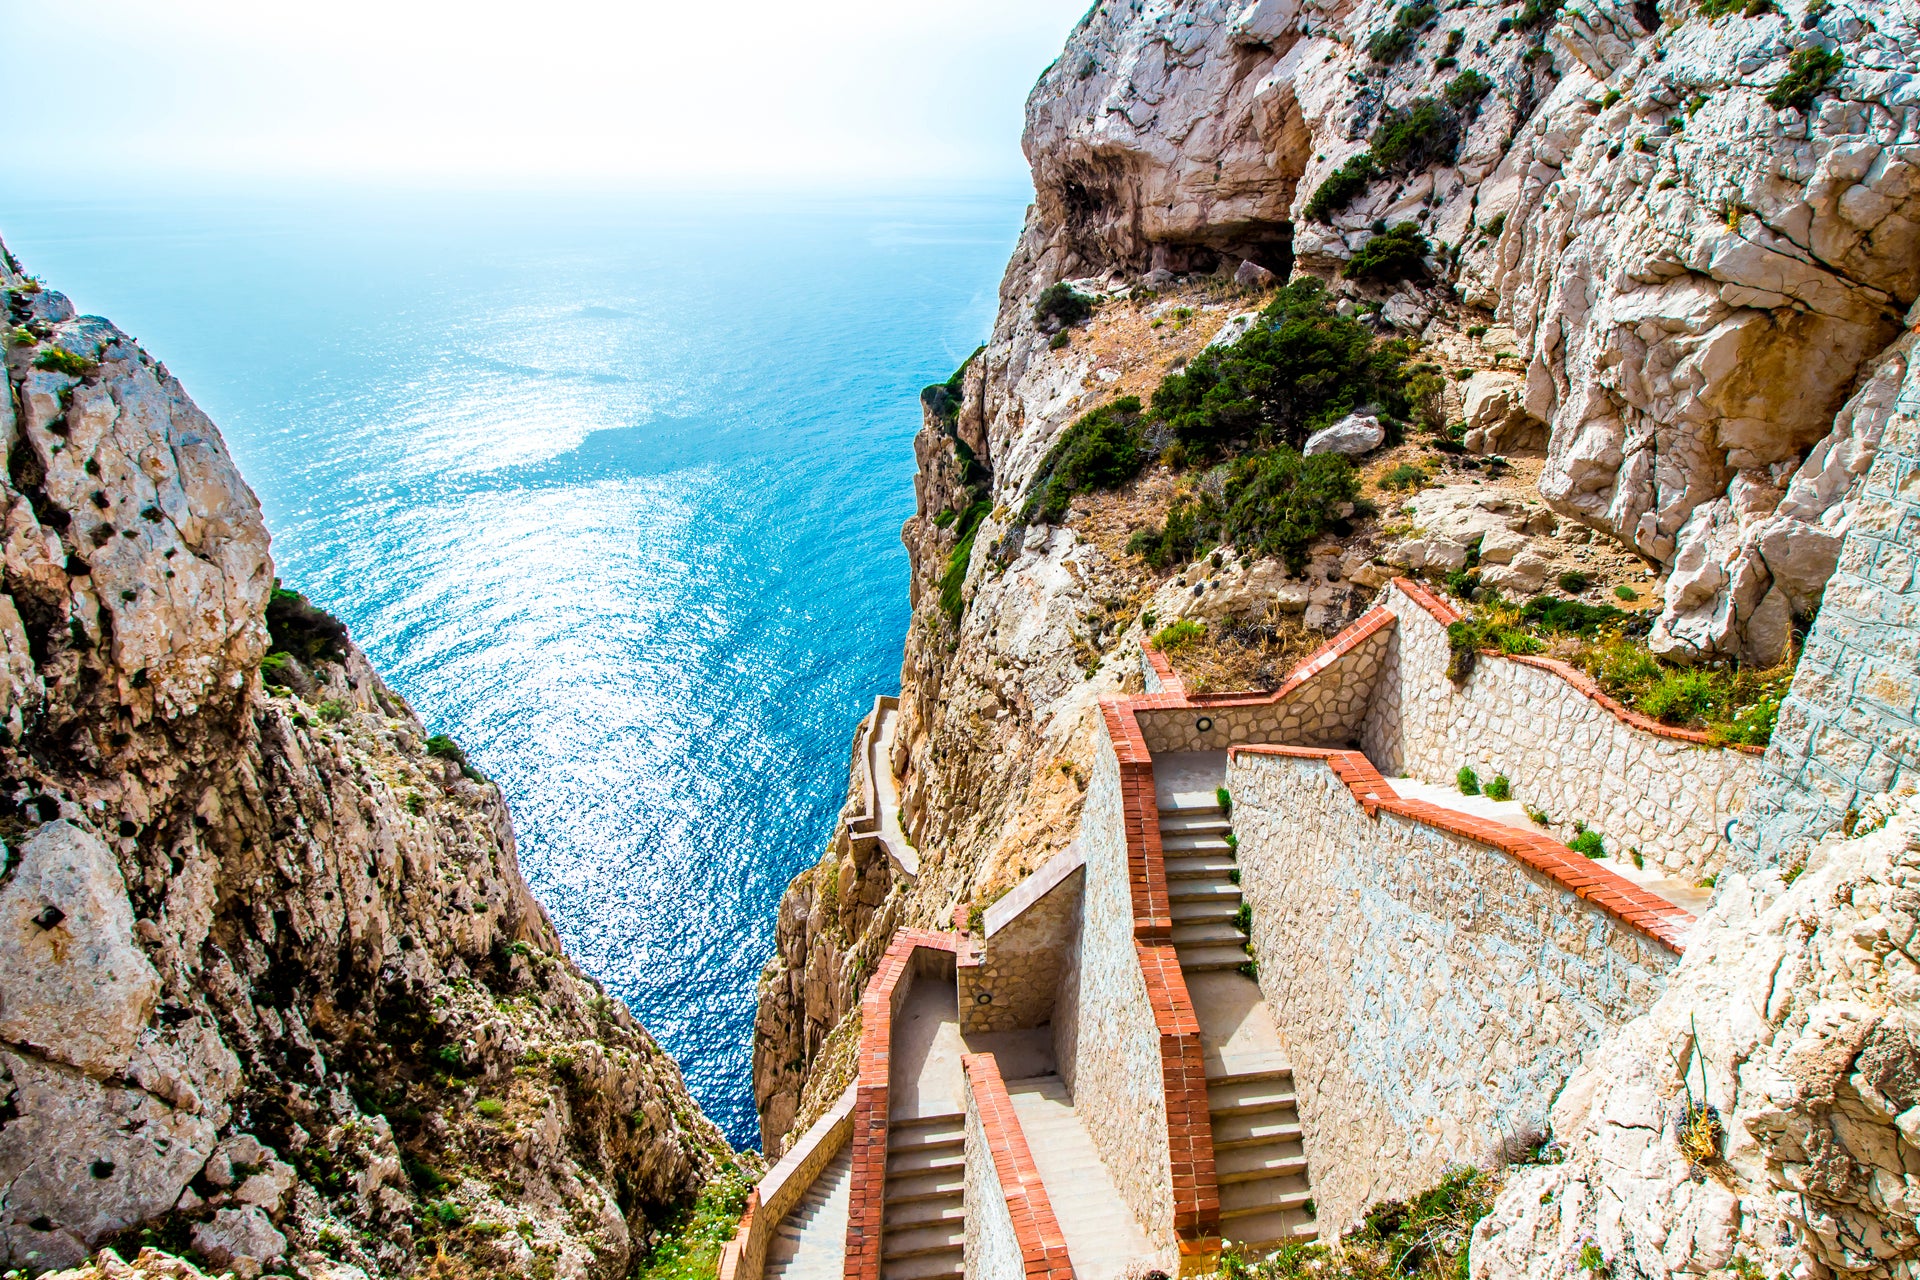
(1793, 1017)
(271, 985)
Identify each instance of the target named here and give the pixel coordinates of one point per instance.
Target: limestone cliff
(1672, 243)
(271, 984)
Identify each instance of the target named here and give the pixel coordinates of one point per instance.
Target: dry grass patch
(1243, 655)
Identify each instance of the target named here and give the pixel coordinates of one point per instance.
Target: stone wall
(1566, 751)
(1022, 952)
(1105, 1024)
(1321, 704)
(1433, 991)
(1848, 729)
(992, 1249)
(1016, 1236)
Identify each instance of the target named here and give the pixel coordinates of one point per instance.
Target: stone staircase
(924, 1227)
(810, 1242)
(1258, 1160)
(1201, 888)
(1103, 1239)
(1259, 1163)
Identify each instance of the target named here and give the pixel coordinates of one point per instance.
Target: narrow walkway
(1259, 1162)
(1103, 1239)
(811, 1241)
(926, 1053)
(1512, 813)
(886, 792)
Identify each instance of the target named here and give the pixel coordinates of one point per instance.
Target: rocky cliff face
(1674, 243)
(271, 985)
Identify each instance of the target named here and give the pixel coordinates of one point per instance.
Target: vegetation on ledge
(691, 1240)
(1426, 1236)
(1731, 702)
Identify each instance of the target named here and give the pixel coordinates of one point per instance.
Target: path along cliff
(272, 988)
(1666, 260)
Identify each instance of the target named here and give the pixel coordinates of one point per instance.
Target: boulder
(1406, 311)
(1493, 407)
(1233, 330)
(1353, 435)
(74, 986)
(1251, 275)
(244, 1240)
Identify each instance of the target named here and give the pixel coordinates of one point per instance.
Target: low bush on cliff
(1275, 502)
(305, 630)
(1398, 253)
(1390, 43)
(954, 578)
(942, 399)
(1102, 450)
(1061, 306)
(693, 1236)
(1423, 133)
(1733, 703)
(1808, 75)
(1426, 1236)
(1301, 367)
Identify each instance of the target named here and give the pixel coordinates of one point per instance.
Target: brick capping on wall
(1177, 698)
(1619, 897)
(1196, 1194)
(775, 1195)
(1043, 1246)
(1446, 615)
(866, 1191)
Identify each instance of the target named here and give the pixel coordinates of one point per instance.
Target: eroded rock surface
(270, 979)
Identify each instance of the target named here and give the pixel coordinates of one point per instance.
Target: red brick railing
(1196, 1195)
(1617, 896)
(867, 1179)
(1043, 1246)
(1445, 614)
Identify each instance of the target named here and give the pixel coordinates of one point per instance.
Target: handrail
(782, 1187)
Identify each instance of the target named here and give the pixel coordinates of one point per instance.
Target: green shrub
(446, 1213)
(954, 578)
(1224, 798)
(273, 667)
(1405, 477)
(1467, 88)
(491, 1108)
(59, 360)
(1178, 634)
(332, 710)
(1573, 582)
(1192, 526)
(942, 399)
(1339, 188)
(1398, 253)
(1588, 843)
(1808, 75)
(1062, 304)
(1299, 368)
(1536, 13)
(1059, 342)
(1278, 502)
(1414, 137)
(299, 627)
(1499, 789)
(1467, 780)
(1625, 592)
(1391, 43)
(1101, 450)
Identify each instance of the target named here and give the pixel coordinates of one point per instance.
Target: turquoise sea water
(610, 488)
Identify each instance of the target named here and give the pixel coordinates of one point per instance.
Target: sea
(609, 485)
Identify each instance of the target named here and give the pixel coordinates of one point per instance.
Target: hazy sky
(756, 91)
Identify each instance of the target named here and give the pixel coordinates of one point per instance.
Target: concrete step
(1194, 821)
(924, 1139)
(944, 1158)
(930, 1266)
(1220, 890)
(1253, 1164)
(1192, 810)
(1245, 1097)
(1267, 1230)
(1219, 909)
(937, 1184)
(1193, 843)
(1211, 959)
(1232, 1131)
(900, 1215)
(1210, 866)
(1245, 1199)
(1218, 933)
(918, 1242)
(908, 1131)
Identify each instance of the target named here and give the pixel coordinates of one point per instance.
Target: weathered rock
(1353, 435)
(242, 1239)
(73, 985)
(227, 922)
